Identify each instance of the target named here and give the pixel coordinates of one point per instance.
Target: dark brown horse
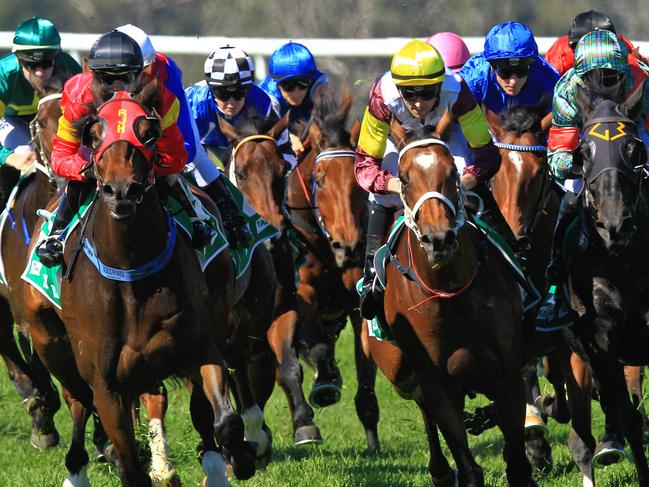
(32, 381)
(123, 337)
(455, 316)
(329, 209)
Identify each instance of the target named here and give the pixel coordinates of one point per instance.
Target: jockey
(417, 91)
(36, 58)
(599, 55)
(115, 62)
(510, 70)
(207, 176)
(452, 48)
(293, 80)
(561, 54)
(228, 93)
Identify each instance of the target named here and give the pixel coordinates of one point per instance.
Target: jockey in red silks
(561, 54)
(116, 63)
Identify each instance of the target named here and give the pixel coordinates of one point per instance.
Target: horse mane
(521, 119)
(253, 125)
(421, 132)
(330, 116)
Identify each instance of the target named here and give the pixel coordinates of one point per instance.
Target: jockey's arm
(67, 159)
(170, 149)
(476, 131)
(372, 140)
(564, 134)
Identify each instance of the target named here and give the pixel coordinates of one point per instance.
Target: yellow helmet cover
(417, 64)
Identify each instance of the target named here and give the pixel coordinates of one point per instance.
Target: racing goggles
(224, 93)
(295, 83)
(108, 78)
(33, 60)
(425, 93)
(507, 69)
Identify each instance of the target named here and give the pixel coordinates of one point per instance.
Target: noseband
(410, 214)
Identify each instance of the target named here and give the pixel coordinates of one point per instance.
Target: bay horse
(606, 259)
(455, 317)
(259, 171)
(32, 381)
(113, 340)
(329, 209)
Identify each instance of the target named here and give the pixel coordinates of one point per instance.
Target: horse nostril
(427, 238)
(336, 245)
(108, 189)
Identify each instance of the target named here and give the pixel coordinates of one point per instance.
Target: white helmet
(141, 37)
(229, 66)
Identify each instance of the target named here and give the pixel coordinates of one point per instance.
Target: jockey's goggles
(607, 77)
(107, 77)
(506, 69)
(34, 65)
(293, 83)
(224, 93)
(426, 92)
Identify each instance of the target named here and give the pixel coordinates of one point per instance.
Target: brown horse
(259, 170)
(32, 381)
(329, 209)
(455, 316)
(123, 337)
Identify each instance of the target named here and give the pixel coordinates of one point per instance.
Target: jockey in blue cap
(510, 70)
(294, 78)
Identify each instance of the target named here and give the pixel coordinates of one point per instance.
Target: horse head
(45, 124)
(123, 132)
(338, 201)
(613, 161)
(432, 195)
(257, 166)
(522, 186)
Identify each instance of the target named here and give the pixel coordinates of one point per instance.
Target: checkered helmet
(229, 66)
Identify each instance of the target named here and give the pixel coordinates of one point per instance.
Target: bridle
(35, 131)
(251, 138)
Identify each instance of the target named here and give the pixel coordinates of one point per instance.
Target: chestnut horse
(32, 381)
(455, 316)
(329, 209)
(113, 340)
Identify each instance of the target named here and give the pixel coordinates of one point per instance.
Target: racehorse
(112, 340)
(606, 259)
(455, 317)
(259, 171)
(329, 209)
(32, 381)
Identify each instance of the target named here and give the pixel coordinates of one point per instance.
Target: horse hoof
(173, 480)
(324, 394)
(308, 434)
(608, 453)
(264, 457)
(541, 466)
(450, 480)
(243, 461)
(535, 430)
(79, 479)
(373, 443)
(548, 404)
(43, 441)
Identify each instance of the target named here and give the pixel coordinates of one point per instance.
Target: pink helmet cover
(452, 48)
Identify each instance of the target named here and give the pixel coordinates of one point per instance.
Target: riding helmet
(115, 52)
(292, 60)
(142, 39)
(229, 66)
(510, 40)
(36, 39)
(452, 48)
(587, 22)
(417, 64)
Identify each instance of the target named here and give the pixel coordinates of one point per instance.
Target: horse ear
(228, 130)
(345, 105)
(355, 132)
(494, 122)
(147, 94)
(444, 123)
(276, 131)
(633, 105)
(583, 101)
(315, 134)
(398, 132)
(546, 123)
(84, 64)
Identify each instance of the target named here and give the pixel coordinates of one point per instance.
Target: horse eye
(404, 181)
(240, 174)
(319, 182)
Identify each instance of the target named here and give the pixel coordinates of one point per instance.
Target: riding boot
(50, 250)
(554, 313)
(203, 232)
(376, 229)
(233, 220)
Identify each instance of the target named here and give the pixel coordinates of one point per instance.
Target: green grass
(340, 461)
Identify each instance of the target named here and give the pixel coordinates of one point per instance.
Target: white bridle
(410, 214)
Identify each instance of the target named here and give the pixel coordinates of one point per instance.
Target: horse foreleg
(367, 406)
(161, 471)
(76, 460)
(535, 428)
(117, 419)
(281, 337)
(556, 405)
(579, 384)
(634, 377)
(616, 404)
(440, 471)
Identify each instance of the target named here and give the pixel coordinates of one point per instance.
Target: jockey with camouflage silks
(36, 59)
(228, 93)
(116, 63)
(206, 175)
(510, 71)
(601, 62)
(293, 80)
(417, 91)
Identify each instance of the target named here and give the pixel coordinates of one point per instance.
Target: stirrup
(368, 305)
(50, 251)
(202, 234)
(239, 234)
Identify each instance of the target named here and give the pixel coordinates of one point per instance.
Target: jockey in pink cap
(452, 48)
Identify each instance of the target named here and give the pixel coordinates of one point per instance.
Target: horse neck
(128, 245)
(453, 275)
(300, 184)
(37, 194)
